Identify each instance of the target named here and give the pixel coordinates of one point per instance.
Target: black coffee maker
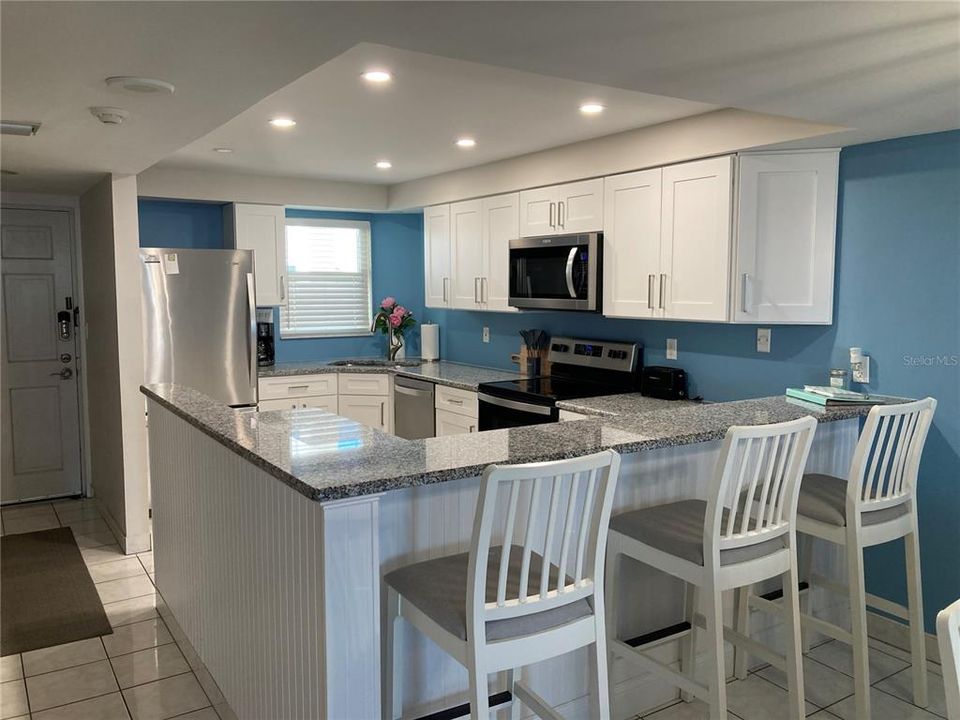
(265, 354)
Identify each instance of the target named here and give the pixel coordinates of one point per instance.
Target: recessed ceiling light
(591, 108)
(283, 122)
(384, 164)
(140, 84)
(466, 142)
(224, 150)
(377, 76)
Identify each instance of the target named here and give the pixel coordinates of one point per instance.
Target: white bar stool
(948, 638)
(495, 610)
(726, 542)
(875, 504)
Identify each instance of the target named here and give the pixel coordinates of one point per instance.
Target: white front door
(40, 407)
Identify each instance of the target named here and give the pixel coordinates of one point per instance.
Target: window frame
(365, 237)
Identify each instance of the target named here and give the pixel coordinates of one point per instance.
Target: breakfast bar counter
(320, 507)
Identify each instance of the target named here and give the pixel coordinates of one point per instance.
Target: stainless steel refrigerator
(200, 321)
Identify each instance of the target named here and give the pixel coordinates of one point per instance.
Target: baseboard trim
(130, 544)
(882, 628)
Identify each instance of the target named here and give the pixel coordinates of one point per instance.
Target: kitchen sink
(375, 362)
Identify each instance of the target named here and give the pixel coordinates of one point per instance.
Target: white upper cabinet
(631, 244)
(500, 223)
(786, 237)
(696, 240)
(571, 208)
(436, 255)
(466, 255)
(261, 228)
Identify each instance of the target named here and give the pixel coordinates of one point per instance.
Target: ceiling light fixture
(224, 150)
(591, 108)
(466, 142)
(283, 122)
(12, 127)
(110, 115)
(140, 84)
(377, 76)
(384, 164)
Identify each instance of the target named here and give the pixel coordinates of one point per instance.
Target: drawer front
(320, 402)
(462, 402)
(364, 384)
(278, 388)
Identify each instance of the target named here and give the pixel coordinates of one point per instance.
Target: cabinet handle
(560, 219)
(283, 290)
(663, 282)
(484, 290)
(743, 293)
(476, 290)
(454, 401)
(382, 405)
(552, 223)
(443, 284)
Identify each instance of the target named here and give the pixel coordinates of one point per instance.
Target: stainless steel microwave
(557, 272)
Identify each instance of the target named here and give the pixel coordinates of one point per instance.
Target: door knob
(64, 374)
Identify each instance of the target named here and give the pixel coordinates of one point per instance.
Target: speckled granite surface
(617, 405)
(327, 457)
(465, 377)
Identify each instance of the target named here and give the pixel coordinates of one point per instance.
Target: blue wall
(897, 297)
(396, 245)
(166, 223)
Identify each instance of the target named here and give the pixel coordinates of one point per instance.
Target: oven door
(556, 273)
(496, 413)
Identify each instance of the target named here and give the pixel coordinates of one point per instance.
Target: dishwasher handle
(403, 390)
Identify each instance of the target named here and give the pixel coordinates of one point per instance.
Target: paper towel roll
(430, 342)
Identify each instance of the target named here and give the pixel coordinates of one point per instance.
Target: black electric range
(580, 368)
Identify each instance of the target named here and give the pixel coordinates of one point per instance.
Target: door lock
(64, 374)
(65, 357)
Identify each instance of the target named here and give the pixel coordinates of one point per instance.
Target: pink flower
(388, 302)
(401, 311)
(395, 320)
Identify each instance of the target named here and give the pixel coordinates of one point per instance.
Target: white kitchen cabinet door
(538, 211)
(466, 255)
(500, 225)
(367, 410)
(451, 423)
(631, 244)
(262, 228)
(436, 255)
(696, 240)
(786, 237)
(580, 206)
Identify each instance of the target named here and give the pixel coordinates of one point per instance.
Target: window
(328, 278)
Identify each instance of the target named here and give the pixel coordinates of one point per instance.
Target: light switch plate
(671, 348)
(486, 334)
(763, 340)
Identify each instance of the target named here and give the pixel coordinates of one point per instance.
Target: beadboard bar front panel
(242, 561)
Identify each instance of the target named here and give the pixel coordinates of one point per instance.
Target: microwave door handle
(570, 260)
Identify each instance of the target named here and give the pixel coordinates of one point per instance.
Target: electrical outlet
(486, 334)
(763, 340)
(671, 348)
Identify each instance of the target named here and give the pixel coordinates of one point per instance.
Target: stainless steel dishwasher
(413, 409)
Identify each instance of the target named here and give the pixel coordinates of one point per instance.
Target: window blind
(328, 278)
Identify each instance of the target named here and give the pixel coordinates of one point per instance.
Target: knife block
(526, 355)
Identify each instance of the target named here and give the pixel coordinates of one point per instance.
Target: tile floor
(139, 672)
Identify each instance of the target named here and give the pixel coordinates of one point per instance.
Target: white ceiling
(345, 124)
(884, 69)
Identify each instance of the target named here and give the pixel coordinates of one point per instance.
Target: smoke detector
(140, 84)
(110, 115)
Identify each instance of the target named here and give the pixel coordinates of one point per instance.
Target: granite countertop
(624, 404)
(327, 457)
(443, 372)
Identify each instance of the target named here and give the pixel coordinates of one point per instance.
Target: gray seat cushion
(824, 498)
(677, 529)
(438, 588)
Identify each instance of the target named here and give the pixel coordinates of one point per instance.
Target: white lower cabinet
(369, 410)
(321, 402)
(450, 423)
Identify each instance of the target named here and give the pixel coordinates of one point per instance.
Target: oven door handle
(570, 260)
(515, 405)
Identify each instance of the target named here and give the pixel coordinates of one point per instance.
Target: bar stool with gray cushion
(493, 610)
(722, 543)
(874, 504)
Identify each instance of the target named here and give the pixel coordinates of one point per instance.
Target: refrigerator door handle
(252, 332)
